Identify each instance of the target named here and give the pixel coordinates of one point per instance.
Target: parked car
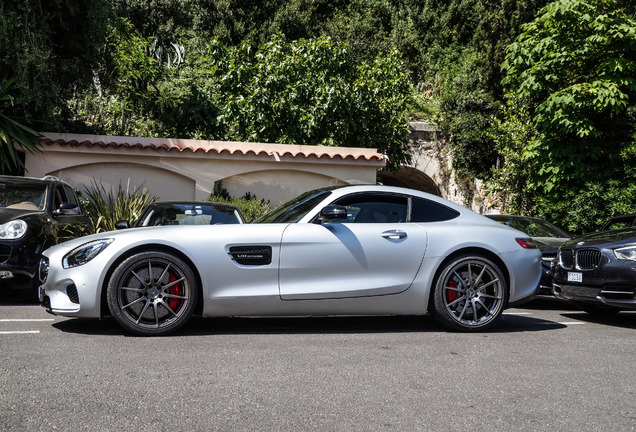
(34, 215)
(597, 271)
(620, 221)
(355, 250)
(186, 213)
(547, 236)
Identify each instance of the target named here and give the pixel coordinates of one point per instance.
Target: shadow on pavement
(330, 325)
(625, 319)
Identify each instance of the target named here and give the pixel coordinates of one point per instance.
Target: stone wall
(431, 156)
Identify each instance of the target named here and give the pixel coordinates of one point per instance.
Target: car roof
(30, 180)
(202, 203)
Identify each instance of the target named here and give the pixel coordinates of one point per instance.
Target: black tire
(469, 294)
(152, 293)
(597, 310)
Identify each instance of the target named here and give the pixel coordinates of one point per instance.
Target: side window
(423, 210)
(70, 195)
(374, 208)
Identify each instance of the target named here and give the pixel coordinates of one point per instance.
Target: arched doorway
(409, 178)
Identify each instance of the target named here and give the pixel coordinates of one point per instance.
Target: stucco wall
(188, 175)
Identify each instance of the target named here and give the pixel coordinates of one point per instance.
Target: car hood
(549, 243)
(7, 215)
(614, 237)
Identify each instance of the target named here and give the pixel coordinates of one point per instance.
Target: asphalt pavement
(544, 367)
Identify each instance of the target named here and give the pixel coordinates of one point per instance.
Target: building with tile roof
(183, 169)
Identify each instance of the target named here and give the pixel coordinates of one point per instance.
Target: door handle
(394, 234)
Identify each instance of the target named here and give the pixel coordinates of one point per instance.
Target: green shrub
(105, 208)
(251, 206)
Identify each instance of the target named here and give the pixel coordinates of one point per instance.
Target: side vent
(252, 255)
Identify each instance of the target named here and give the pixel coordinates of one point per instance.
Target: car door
(373, 252)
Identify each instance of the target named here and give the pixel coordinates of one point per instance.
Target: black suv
(34, 214)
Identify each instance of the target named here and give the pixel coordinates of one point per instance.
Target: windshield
(294, 210)
(22, 196)
(188, 214)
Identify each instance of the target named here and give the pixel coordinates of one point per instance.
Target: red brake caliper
(176, 290)
(451, 295)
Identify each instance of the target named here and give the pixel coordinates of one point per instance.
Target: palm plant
(105, 208)
(13, 131)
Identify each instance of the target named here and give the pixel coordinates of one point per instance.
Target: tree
(50, 47)
(574, 69)
(12, 131)
(309, 92)
(306, 92)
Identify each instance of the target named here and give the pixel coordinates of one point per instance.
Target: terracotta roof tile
(231, 147)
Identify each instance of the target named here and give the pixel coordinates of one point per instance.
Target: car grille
(588, 259)
(5, 253)
(582, 259)
(566, 258)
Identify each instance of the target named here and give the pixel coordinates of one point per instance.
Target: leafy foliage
(574, 70)
(309, 92)
(105, 208)
(49, 46)
(250, 206)
(13, 130)
(575, 67)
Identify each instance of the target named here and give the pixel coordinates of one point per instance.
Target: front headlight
(13, 230)
(626, 253)
(86, 252)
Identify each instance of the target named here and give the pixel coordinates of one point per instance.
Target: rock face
(431, 170)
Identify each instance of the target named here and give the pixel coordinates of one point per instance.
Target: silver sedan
(353, 250)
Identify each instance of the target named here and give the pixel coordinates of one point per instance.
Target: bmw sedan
(598, 271)
(353, 250)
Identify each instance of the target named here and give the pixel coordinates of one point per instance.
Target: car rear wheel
(469, 294)
(152, 293)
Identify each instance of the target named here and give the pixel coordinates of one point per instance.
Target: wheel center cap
(153, 293)
(470, 292)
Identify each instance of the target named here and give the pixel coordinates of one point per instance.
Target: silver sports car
(353, 250)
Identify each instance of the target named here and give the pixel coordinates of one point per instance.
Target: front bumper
(622, 298)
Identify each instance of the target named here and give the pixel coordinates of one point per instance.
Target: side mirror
(122, 224)
(67, 209)
(332, 212)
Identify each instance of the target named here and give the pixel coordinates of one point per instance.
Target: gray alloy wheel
(470, 293)
(152, 293)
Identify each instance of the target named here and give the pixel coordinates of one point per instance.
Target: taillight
(526, 243)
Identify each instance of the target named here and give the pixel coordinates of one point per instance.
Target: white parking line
(19, 332)
(565, 323)
(546, 322)
(25, 319)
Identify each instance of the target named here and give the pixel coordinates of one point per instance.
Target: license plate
(575, 277)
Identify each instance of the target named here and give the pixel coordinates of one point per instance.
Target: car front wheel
(152, 293)
(469, 294)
